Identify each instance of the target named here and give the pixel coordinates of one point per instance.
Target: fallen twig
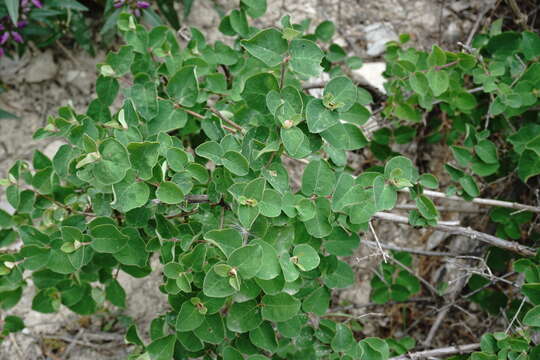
(411, 250)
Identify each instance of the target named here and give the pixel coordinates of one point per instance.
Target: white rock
(4, 205)
(42, 67)
(377, 35)
(371, 73)
(51, 149)
(452, 33)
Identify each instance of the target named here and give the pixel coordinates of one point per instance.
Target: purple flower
(17, 37)
(24, 3)
(143, 4)
(119, 3)
(37, 3)
(137, 12)
(4, 38)
(22, 24)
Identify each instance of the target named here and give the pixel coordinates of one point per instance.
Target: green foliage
(190, 168)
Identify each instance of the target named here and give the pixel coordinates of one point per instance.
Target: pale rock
(51, 149)
(80, 79)
(371, 73)
(452, 33)
(42, 67)
(377, 35)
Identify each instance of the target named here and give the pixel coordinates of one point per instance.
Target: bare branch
(473, 234)
(450, 350)
(411, 250)
(481, 201)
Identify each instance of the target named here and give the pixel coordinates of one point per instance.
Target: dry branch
(450, 350)
(473, 234)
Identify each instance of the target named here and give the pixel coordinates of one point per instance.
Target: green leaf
(183, 87)
(177, 159)
(255, 90)
(529, 165)
(340, 243)
(469, 185)
(375, 348)
(407, 112)
(426, 207)
(530, 45)
(317, 301)
(342, 277)
(169, 193)
(267, 45)
(144, 98)
(319, 226)
(269, 267)
(318, 179)
(216, 286)
(247, 259)
(270, 206)
(343, 339)
(384, 195)
(107, 238)
(210, 150)
(230, 353)
(107, 89)
(227, 240)
(13, 10)
(236, 163)
(429, 181)
(113, 164)
(532, 317)
(341, 94)
(437, 57)
(438, 81)
(399, 167)
(264, 337)
(487, 151)
(305, 257)
(318, 117)
(239, 22)
(189, 317)
(243, 317)
(419, 83)
(306, 57)
(255, 8)
(115, 294)
(162, 348)
(325, 30)
(295, 142)
(143, 157)
(280, 307)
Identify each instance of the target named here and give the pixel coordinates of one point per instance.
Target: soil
(40, 82)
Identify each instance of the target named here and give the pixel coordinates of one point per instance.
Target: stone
(51, 149)
(377, 35)
(42, 67)
(452, 33)
(371, 73)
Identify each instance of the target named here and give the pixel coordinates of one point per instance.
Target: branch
(481, 201)
(224, 119)
(451, 350)
(473, 234)
(411, 250)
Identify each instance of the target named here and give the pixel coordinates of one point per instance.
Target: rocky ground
(40, 82)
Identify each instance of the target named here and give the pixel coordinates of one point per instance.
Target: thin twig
(515, 316)
(72, 344)
(446, 351)
(477, 24)
(216, 112)
(441, 209)
(384, 255)
(411, 250)
(473, 234)
(18, 350)
(481, 201)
